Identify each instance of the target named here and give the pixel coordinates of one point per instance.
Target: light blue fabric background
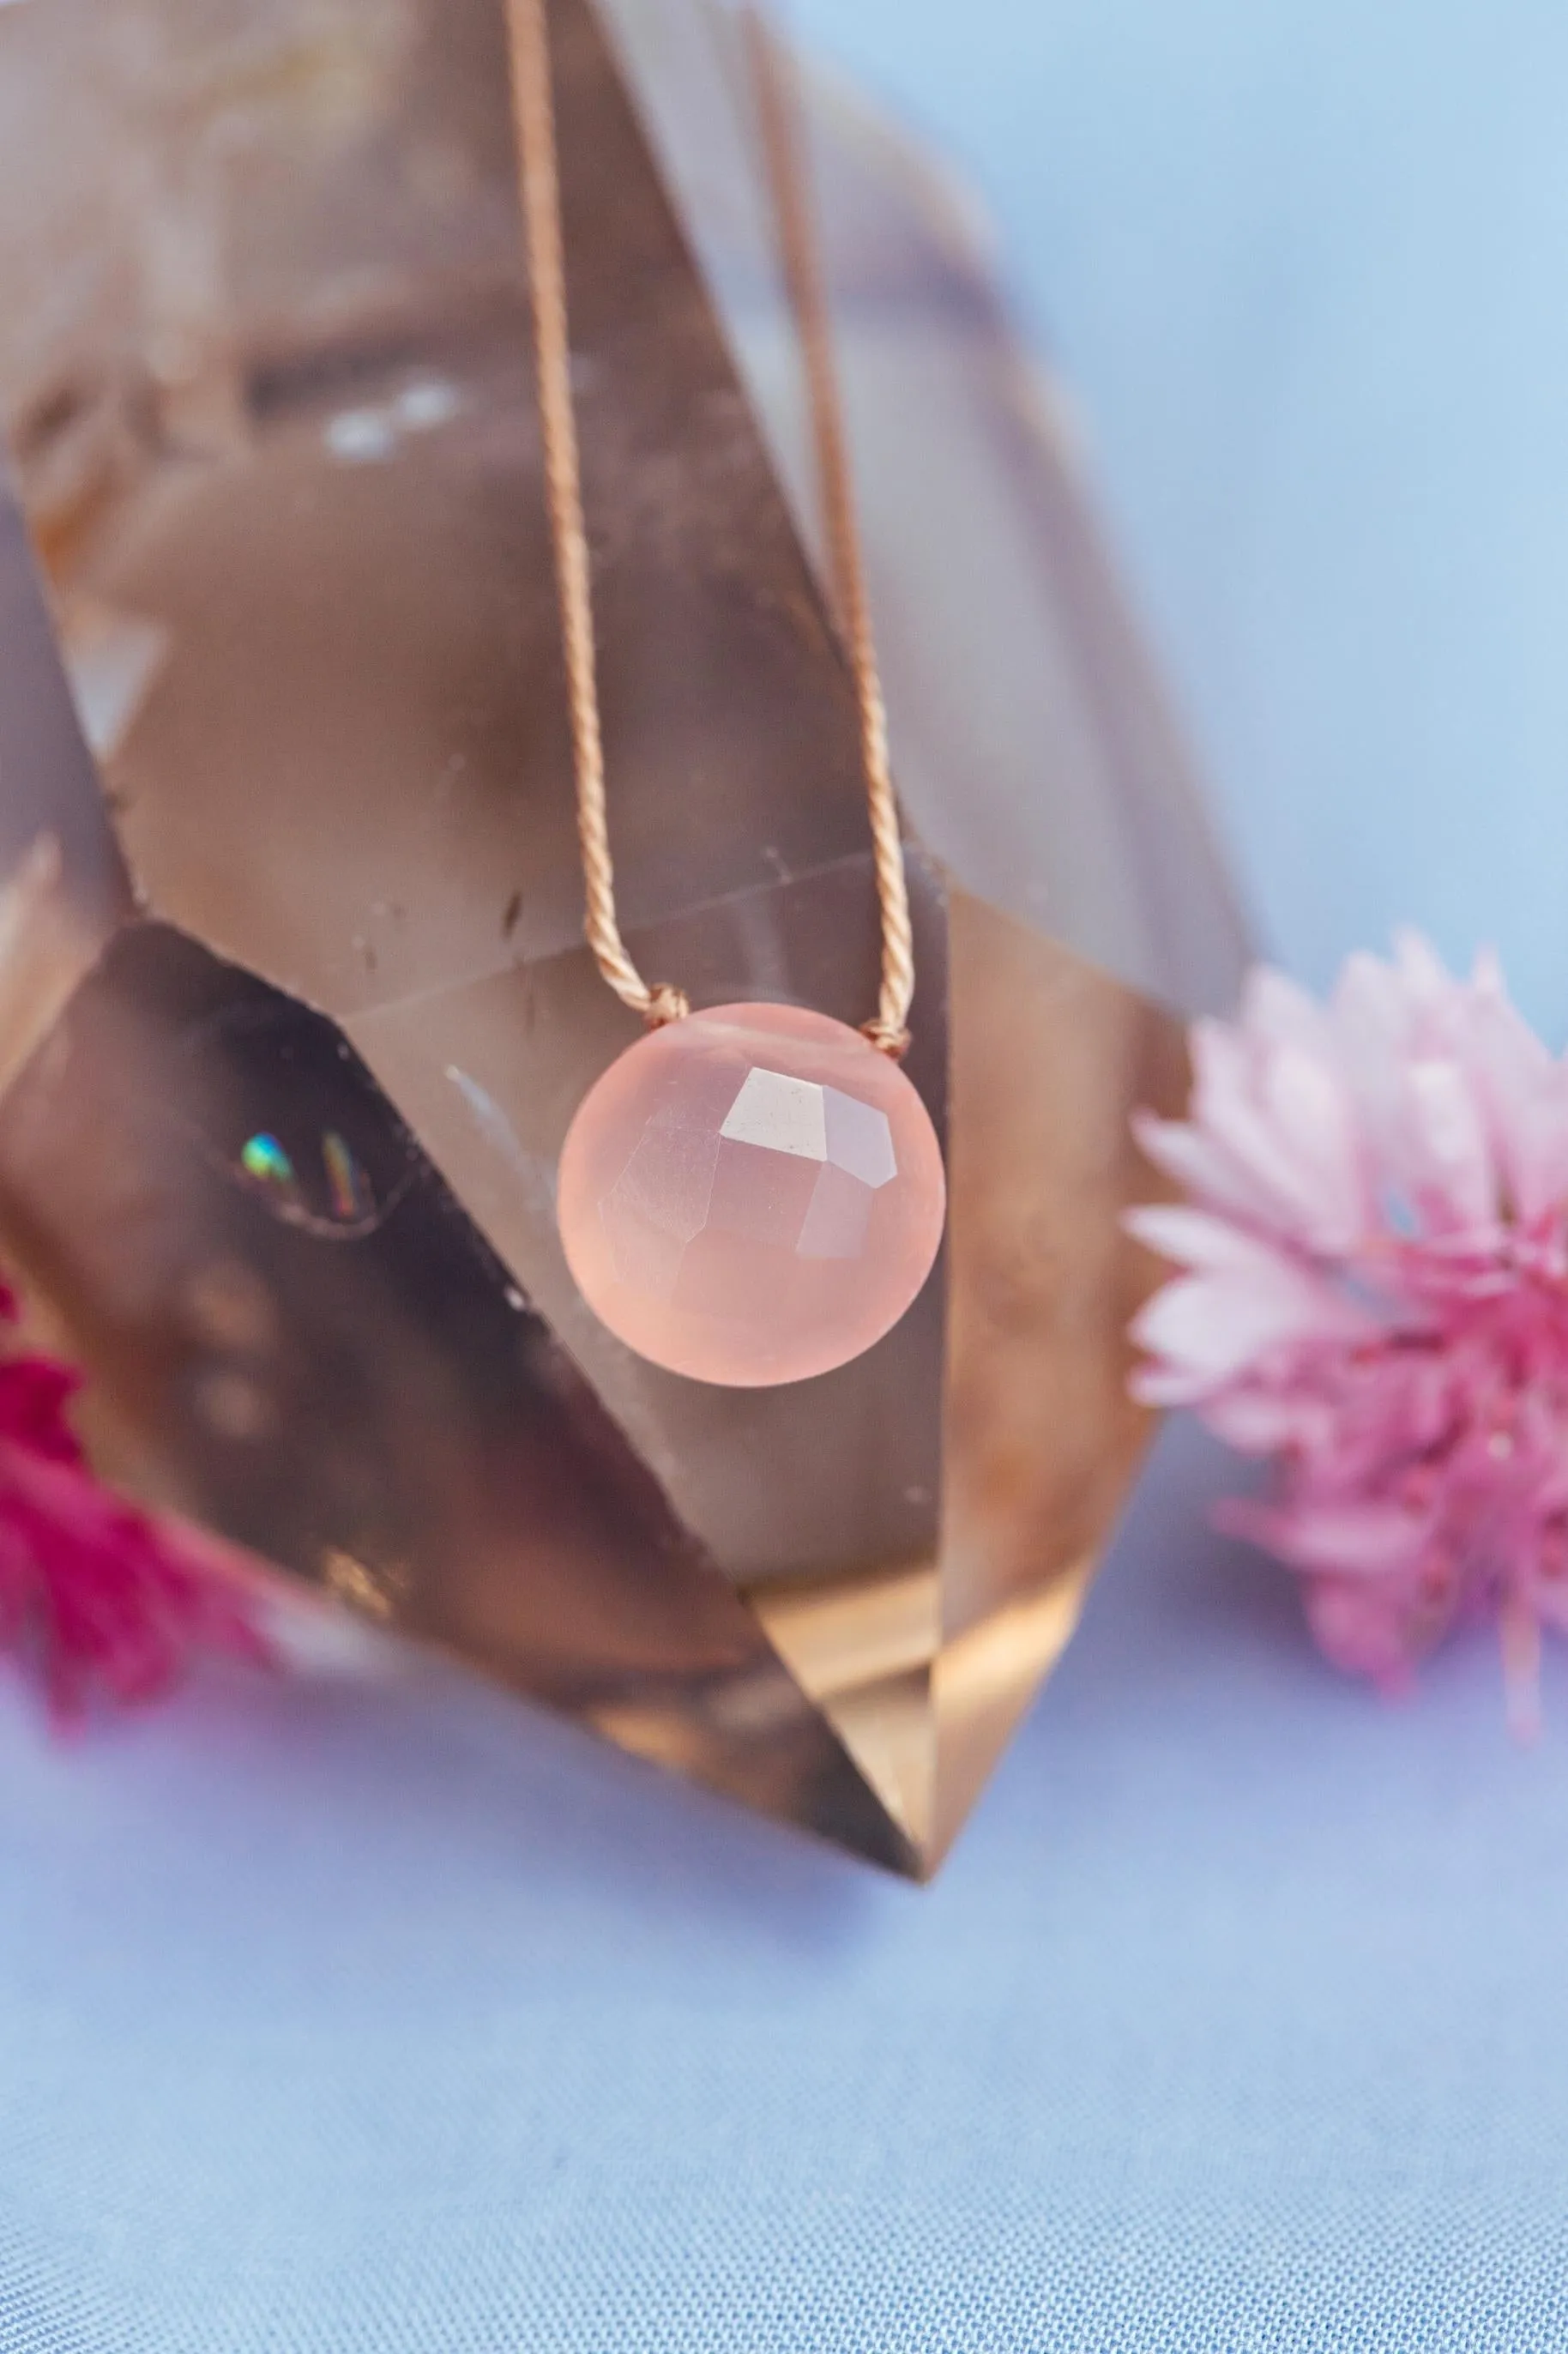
(402, 2022)
(1306, 262)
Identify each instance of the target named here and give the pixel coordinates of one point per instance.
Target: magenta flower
(1377, 1299)
(97, 1597)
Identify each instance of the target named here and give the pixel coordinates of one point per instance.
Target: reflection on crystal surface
(745, 1223)
(297, 1122)
(349, 1208)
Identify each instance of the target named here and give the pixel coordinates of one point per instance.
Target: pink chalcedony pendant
(751, 1195)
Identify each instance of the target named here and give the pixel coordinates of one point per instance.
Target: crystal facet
(752, 1196)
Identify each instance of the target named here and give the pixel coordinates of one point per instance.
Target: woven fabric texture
(406, 2023)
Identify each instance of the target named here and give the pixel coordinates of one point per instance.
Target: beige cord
(534, 106)
(535, 112)
(779, 107)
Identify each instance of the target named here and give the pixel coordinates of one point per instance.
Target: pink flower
(1375, 1298)
(97, 1597)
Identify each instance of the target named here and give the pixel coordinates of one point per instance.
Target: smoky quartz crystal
(296, 1013)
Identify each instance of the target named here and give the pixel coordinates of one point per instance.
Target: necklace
(752, 1194)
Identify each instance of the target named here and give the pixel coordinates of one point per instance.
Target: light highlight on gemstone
(752, 1196)
(782, 1114)
(263, 1158)
(338, 1204)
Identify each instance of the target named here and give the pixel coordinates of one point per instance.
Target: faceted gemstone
(752, 1196)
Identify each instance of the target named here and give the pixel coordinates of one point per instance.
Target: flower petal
(1208, 1329)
